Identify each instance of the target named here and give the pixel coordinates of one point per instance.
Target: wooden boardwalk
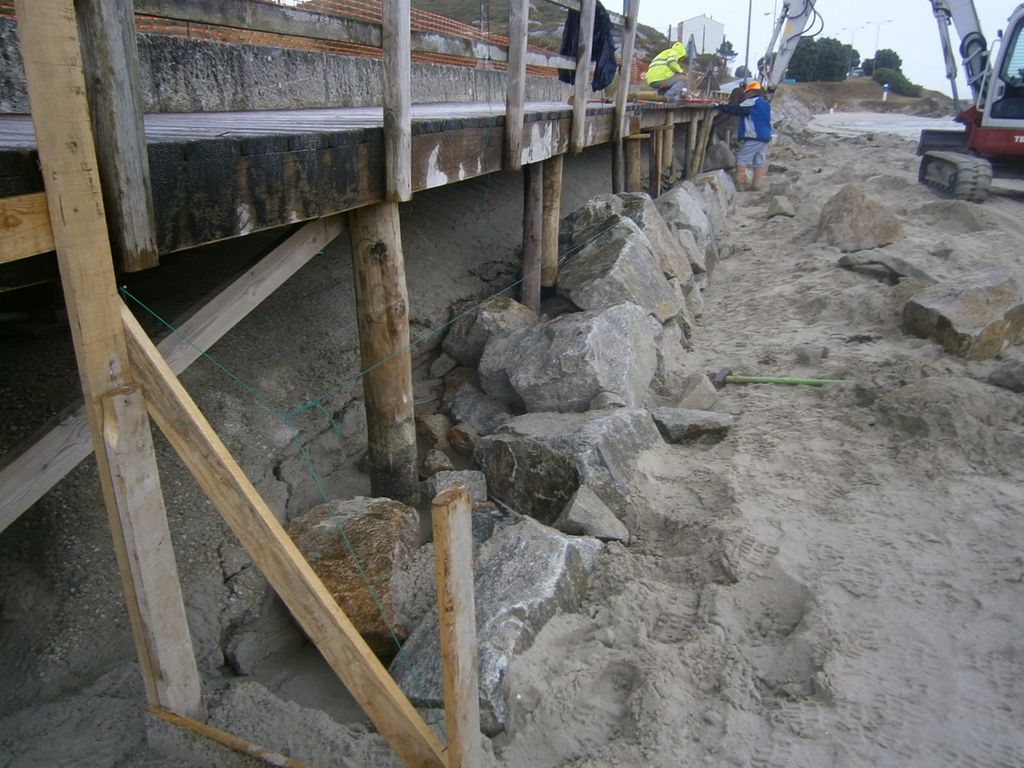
(217, 175)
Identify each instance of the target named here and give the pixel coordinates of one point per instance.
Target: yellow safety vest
(664, 65)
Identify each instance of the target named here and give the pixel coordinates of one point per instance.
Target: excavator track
(963, 176)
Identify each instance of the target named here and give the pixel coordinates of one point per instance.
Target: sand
(839, 582)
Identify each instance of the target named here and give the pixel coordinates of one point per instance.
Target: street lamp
(852, 36)
(878, 31)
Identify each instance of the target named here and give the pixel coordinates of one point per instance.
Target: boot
(742, 179)
(758, 184)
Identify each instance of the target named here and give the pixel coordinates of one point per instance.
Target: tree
(726, 51)
(888, 59)
(833, 60)
(868, 65)
(803, 66)
(897, 81)
(742, 71)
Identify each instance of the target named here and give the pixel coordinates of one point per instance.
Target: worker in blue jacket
(755, 131)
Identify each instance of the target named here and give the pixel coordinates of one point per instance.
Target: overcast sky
(912, 31)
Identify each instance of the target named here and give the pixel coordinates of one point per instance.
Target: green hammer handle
(733, 379)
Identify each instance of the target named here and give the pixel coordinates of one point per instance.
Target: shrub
(897, 82)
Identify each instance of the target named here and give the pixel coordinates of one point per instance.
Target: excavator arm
(973, 46)
(793, 22)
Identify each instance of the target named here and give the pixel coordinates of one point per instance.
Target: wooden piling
(115, 102)
(654, 164)
(382, 310)
(634, 181)
(515, 94)
(396, 44)
(533, 203)
(552, 214)
(583, 53)
(451, 517)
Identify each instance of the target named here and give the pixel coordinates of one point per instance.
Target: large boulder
(851, 221)
(976, 317)
(525, 574)
(562, 364)
(471, 406)
(537, 461)
(715, 207)
(670, 376)
(722, 184)
(615, 266)
(681, 211)
(586, 222)
(680, 424)
(719, 155)
(472, 328)
(674, 261)
(587, 515)
(382, 533)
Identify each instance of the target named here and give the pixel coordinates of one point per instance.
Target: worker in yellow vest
(665, 75)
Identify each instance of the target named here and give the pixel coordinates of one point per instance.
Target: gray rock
(678, 424)
(434, 429)
(484, 414)
(443, 365)
(525, 575)
(685, 318)
(572, 358)
(681, 211)
(586, 222)
(614, 267)
(503, 353)
(670, 375)
(358, 568)
(1009, 375)
(695, 254)
(436, 461)
(587, 515)
(886, 267)
(474, 480)
(488, 519)
(674, 261)
(469, 333)
(537, 461)
(810, 354)
(715, 209)
(699, 393)
(976, 318)
(780, 205)
(719, 155)
(695, 301)
(722, 184)
(463, 438)
(604, 401)
(851, 221)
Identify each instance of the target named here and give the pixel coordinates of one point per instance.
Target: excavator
(962, 162)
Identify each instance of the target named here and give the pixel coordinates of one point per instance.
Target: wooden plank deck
(217, 175)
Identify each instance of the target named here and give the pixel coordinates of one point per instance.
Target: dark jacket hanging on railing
(602, 52)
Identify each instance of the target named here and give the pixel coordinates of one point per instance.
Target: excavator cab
(1007, 79)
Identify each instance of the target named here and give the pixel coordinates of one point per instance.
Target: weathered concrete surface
(525, 574)
(976, 317)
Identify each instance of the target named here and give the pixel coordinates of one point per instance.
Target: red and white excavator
(960, 161)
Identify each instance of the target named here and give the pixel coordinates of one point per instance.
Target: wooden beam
(128, 443)
(382, 313)
(24, 227)
(451, 515)
(533, 203)
(702, 140)
(668, 153)
(578, 139)
(115, 102)
(264, 17)
(551, 217)
(515, 94)
(56, 86)
(691, 147)
(28, 473)
(397, 102)
(654, 164)
(277, 557)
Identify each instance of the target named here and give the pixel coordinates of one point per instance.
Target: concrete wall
(183, 75)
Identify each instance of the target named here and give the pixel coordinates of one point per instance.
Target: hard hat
(753, 85)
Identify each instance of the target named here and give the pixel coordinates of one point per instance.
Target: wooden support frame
(108, 46)
(702, 141)
(654, 163)
(634, 182)
(382, 312)
(578, 137)
(127, 465)
(451, 516)
(515, 92)
(395, 42)
(550, 219)
(631, 10)
(533, 203)
(691, 146)
(24, 227)
(27, 474)
(259, 531)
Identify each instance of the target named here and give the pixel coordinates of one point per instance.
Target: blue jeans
(672, 88)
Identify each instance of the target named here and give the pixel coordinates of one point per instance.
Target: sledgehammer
(726, 376)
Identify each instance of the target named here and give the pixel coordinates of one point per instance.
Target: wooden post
(583, 52)
(669, 150)
(24, 227)
(633, 175)
(115, 100)
(277, 557)
(631, 9)
(518, 28)
(451, 515)
(124, 458)
(691, 145)
(550, 219)
(702, 140)
(396, 44)
(382, 310)
(533, 202)
(654, 163)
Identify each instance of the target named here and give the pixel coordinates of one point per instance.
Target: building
(707, 33)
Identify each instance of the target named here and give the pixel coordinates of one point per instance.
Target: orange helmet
(753, 85)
